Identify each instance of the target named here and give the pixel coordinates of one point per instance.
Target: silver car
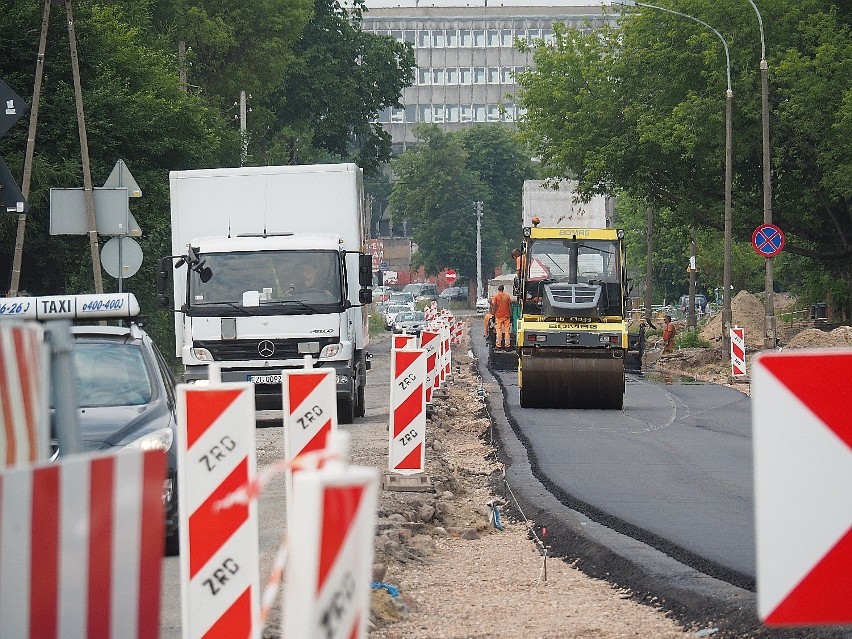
(410, 322)
(391, 312)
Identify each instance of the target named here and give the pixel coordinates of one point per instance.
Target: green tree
(331, 92)
(436, 192)
(641, 109)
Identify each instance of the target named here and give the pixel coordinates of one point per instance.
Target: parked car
(391, 313)
(482, 305)
(127, 399)
(454, 294)
(402, 298)
(411, 322)
(422, 292)
(700, 303)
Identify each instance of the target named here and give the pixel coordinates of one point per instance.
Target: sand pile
(747, 312)
(840, 337)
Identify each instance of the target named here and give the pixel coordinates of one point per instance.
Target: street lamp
(478, 249)
(769, 335)
(729, 98)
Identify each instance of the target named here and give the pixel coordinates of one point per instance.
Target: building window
(396, 35)
(493, 38)
(424, 76)
(467, 113)
(493, 75)
(411, 113)
(453, 112)
(452, 38)
(398, 116)
(438, 39)
(423, 39)
(425, 113)
(479, 113)
(506, 76)
(437, 76)
(465, 38)
(465, 75)
(451, 75)
(410, 35)
(493, 113)
(384, 116)
(479, 75)
(548, 36)
(479, 37)
(508, 112)
(533, 34)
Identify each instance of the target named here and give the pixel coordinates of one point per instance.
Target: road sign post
(12, 108)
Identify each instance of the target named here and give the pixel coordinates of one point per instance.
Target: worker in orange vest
(501, 308)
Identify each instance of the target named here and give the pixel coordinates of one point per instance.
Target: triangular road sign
(121, 176)
(12, 108)
(802, 421)
(11, 198)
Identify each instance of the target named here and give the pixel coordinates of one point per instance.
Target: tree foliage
(641, 108)
(439, 183)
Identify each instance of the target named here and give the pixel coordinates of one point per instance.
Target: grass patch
(691, 339)
(376, 324)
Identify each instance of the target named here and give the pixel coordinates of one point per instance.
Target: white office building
(466, 56)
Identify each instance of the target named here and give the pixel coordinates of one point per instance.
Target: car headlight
(330, 350)
(157, 440)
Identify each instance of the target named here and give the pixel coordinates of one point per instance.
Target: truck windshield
(596, 261)
(302, 279)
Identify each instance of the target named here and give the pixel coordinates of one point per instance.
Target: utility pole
(28, 158)
(243, 135)
(84, 153)
(478, 250)
(691, 320)
(649, 266)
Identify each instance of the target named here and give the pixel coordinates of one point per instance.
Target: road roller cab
(572, 334)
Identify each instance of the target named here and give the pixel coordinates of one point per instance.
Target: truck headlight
(158, 440)
(201, 354)
(342, 379)
(331, 350)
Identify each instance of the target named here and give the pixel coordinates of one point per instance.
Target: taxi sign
(95, 306)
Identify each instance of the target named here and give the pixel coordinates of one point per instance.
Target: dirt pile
(748, 312)
(840, 337)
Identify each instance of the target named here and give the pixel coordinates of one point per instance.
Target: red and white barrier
(403, 340)
(430, 341)
(310, 414)
(327, 593)
(738, 364)
(81, 545)
(220, 581)
(24, 391)
(407, 431)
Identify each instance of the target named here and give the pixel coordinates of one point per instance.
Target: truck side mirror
(516, 286)
(365, 269)
(365, 296)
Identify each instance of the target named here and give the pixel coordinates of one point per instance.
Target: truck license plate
(265, 379)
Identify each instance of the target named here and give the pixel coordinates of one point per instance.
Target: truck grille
(248, 349)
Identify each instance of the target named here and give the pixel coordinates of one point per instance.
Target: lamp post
(769, 335)
(729, 98)
(478, 249)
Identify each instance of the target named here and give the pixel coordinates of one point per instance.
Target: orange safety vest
(502, 305)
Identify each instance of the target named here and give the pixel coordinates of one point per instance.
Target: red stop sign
(451, 275)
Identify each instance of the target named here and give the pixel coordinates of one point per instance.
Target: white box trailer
(246, 235)
(563, 208)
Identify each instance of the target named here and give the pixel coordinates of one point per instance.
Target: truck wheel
(173, 544)
(346, 410)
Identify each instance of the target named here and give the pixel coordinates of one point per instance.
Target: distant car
(454, 294)
(700, 303)
(127, 399)
(422, 292)
(411, 322)
(482, 304)
(392, 311)
(402, 298)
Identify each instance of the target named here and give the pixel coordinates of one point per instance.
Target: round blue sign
(768, 240)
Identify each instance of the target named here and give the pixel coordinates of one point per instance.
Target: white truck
(562, 207)
(243, 241)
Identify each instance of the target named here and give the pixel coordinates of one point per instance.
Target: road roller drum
(581, 379)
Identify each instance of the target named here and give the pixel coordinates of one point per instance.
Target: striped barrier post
(81, 547)
(327, 591)
(404, 340)
(738, 365)
(407, 431)
(24, 391)
(310, 414)
(429, 341)
(220, 576)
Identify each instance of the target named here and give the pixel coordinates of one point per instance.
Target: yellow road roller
(572, 335)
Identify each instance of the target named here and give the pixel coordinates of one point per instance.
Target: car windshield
(574, 261)
(393, 310)
(312, 277)
(402, 297)
(410, 317)
(111, 375)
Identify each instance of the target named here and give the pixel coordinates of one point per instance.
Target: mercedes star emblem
(266, 348)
